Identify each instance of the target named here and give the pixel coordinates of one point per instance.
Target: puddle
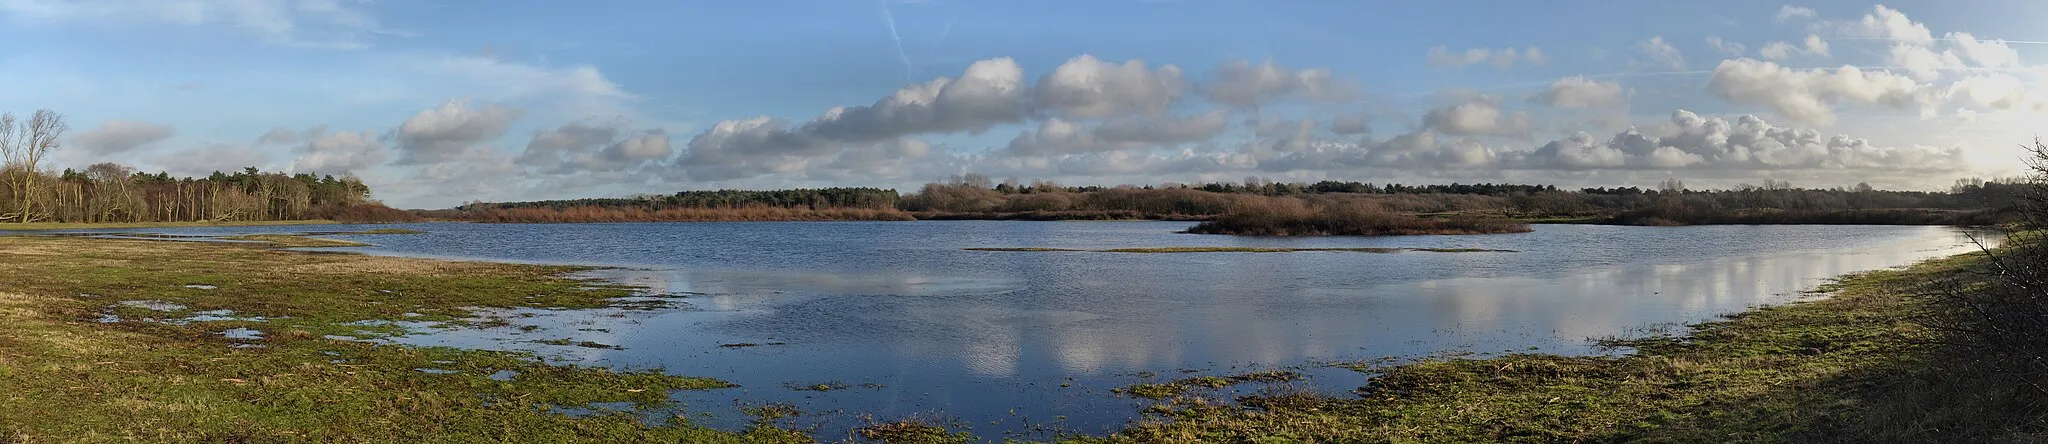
(436, 371)
(242, 334)
(504, 375)
(202, 287)
(108, 318)
(155, 305)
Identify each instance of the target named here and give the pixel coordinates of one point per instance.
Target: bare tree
(23, 144)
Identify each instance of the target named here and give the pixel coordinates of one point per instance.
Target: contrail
(889, 20)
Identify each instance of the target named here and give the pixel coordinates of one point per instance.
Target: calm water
(1024, 343)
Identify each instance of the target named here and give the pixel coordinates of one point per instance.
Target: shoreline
(1413, 394)
(49, 226)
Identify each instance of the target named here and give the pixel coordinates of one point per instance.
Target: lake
(1030, 343)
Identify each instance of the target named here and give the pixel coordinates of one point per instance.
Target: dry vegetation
(1342, 217)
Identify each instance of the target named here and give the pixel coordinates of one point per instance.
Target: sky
(434, 103)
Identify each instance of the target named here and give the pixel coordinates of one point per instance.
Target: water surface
(1024, 343)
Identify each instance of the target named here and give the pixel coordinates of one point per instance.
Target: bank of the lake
(120, 339)
(1858, 366)
(187, 341)
(45, 226)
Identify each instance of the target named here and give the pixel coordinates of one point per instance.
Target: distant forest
(1968, 202)
(110, 192)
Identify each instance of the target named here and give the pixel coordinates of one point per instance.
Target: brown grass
(1342, 217)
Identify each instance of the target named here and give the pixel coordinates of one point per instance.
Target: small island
(1304, 217)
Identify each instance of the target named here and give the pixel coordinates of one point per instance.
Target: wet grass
(913, 431)
(1851, 368)
(65, 377)
(818, 387)
(1246, 250)
(1178, 386)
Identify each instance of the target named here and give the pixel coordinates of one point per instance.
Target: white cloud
(1728, 48)
(1888, 23)
(445, 133)
(989, 93)
(1661, 54)
(119, 136)
(1351, 124)
(579, 148)
(1748, 143)
(1814, 46)
(565, 93)
(1087, 87)
(1503, 58)
(1788, 13)
(1479, 116)
(1580, 92)
(1164, 129)
(1241, 84)
(1808, 95)
(342, 152)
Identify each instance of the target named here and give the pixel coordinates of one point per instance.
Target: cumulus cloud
(1479, 116)
(1580, 92)
(204, 161)
(1164, 129)
(1659, 53)
(444, 133)
(1056, 136)
(1916, 49)
(1242, 84)
(1691, 141)
(1788, 13)
(1812, 46)
(1087, 87)
(1688, 142)
(990, 92)
(119, 136)
(1890, 24)
(1809, 95)
(1728, 48)
(338, 153)
(1503, 58)
(1997, 91)
(1351, 124)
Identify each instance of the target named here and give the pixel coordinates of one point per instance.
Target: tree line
(110, 192)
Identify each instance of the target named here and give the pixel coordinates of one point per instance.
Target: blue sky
(439, 102)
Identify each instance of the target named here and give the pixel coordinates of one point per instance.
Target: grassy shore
(101, 344)
(112, 225)
(87, 355)
(1855, 367)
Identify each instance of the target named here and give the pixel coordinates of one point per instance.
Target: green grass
(1178, 386)
(67, 378)
(84, 226)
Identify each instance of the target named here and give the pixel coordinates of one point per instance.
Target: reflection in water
(1012, 341)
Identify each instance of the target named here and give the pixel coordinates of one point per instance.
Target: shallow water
(1024, 343)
